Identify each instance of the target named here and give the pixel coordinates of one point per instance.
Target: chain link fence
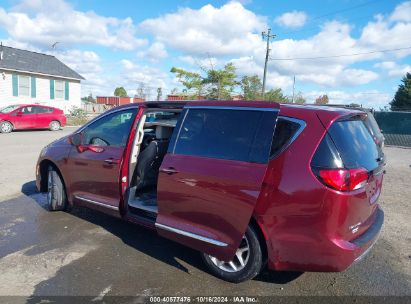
(396, 127)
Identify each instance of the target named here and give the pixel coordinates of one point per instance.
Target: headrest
(163, 132)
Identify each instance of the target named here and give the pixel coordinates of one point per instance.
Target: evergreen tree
(402, 99)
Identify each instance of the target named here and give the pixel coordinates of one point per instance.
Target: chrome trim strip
(233, 108)
(191, 235)
(96, 203)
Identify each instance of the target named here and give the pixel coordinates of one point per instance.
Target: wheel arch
(254, 223)
(43, 168)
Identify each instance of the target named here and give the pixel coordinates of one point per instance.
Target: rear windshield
(354, 144)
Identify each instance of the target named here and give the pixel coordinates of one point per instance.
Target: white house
(30, 77)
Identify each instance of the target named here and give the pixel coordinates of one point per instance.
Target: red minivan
(31, 116)
(248, 184)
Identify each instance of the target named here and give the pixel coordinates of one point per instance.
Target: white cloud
(382, 34)
(135, 75)
(333, 39)
(294, 19)
(154, 53)
(402, 12)
(201, 63)
(393, 69)
(246, 66)
(228, 30)
(328, 72)
(87, 64)
(41, 23)
(227, 33)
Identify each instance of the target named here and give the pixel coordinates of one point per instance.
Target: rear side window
(243, 135)
(348, 144)
(42, 110)
(285, 130)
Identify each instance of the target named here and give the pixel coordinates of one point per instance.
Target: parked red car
(31, 116)
(245, 183)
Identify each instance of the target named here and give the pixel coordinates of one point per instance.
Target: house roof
(37, 63)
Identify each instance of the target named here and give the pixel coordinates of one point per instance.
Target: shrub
(77, 117)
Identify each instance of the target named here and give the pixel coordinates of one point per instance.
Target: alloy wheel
(54, 126)
(5, 127)
(238, 262)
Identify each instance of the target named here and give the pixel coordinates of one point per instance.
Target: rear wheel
(6, 127)
(56, 194)
(54, 125)
(246, 264)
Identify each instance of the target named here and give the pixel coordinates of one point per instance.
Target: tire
(6, 127)
(253, 262)
(56, 193)
(54, 125)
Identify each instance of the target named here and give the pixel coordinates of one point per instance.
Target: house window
(24, 85)
(59, 89)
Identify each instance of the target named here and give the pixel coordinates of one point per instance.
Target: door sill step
(141, 206)
(144, 214)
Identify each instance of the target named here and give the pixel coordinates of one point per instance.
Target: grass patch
(76, 120)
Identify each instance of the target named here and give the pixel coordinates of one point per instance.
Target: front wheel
(246, 264)
(56, 193)
(54, 126)
(6, 127)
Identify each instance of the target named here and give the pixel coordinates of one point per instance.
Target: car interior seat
(150, 159)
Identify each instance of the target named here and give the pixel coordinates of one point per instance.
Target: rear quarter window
(242, 135)
(285, 131)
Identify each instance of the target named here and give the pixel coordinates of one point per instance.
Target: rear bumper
(63, 121)
(323, 254)
(354, 250)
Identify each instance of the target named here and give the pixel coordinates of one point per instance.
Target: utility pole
(267, 35)
(159, 93)
(293, 89)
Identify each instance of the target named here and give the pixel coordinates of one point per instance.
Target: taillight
(344, 179)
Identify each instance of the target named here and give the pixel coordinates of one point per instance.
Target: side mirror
(19, 114)
(76, 139)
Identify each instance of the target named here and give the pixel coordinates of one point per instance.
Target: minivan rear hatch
(348, 160)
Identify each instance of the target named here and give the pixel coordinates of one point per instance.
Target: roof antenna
(1, 50)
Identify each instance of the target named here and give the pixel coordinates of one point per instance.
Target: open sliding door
(211, 177)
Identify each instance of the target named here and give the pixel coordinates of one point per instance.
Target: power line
(344, 10)
(341, 55)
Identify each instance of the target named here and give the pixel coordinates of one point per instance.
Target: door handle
(169, 171)
(112, 161)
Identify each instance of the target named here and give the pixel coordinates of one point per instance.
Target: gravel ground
(91, 254)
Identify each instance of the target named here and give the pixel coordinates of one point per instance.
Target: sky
(135, 43)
